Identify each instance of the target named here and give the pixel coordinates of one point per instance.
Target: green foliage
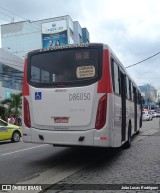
(2, 111)
(13, 104)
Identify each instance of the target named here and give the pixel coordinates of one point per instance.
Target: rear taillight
(25, 90)
(26, 112)
(101, 112)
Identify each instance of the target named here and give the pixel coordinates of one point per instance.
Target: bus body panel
(117, 121)
(66, 108)
(92, 137)
(62, 135)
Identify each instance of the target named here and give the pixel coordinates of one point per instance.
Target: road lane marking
(22, 150)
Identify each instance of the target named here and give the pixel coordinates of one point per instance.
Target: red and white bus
(79, 95)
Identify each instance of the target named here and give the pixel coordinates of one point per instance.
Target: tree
(2, 111)
(13, 104)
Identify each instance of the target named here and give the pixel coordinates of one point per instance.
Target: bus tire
(137, 133)
(128, 142)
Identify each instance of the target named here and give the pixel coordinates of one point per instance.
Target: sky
(130, 27)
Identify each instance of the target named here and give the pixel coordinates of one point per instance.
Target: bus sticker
(85, 72)
(38, 95)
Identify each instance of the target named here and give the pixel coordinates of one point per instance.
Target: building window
(71, 33)
(11, 78)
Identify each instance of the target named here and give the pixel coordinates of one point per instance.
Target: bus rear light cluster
(101, 113)
(26, 112)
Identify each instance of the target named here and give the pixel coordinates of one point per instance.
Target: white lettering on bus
(65, 47)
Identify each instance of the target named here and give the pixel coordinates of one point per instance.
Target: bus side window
(139, 97)
(128, 88)
(132, 92)
(115, 78)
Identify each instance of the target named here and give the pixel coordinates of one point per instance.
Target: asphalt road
(19, 161)
(22, 162)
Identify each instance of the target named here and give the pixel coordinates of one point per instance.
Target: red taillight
(101, 112)
(26, 112)
(25, 90)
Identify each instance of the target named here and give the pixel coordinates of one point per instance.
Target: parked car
(158, 114)
(151, 114)
(146, 116)
(9, 131)
(154, 114)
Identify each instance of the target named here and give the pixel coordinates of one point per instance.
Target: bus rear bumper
(77, 138)
(91, 137)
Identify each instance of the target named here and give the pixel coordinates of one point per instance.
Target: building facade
(11, 73)
(18, 38)
(149, 94)
(21, 37)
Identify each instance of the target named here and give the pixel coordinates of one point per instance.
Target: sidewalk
(136, 167)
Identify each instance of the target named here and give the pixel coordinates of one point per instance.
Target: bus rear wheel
(128, 142)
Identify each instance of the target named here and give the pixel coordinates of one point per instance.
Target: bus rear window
(63, 67)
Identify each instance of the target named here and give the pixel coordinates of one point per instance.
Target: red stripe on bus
(26, 112)
(105, 83)
(25, 90)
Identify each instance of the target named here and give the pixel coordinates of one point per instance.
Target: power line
(4, 19)
(143, 60)
(18, 24)
(14, 14)
(36, 26)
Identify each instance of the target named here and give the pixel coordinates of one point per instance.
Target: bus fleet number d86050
(79, 96)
